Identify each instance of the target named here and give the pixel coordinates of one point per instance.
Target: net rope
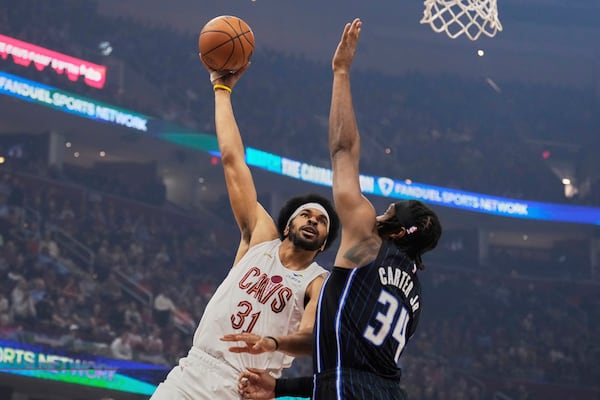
(457, 17)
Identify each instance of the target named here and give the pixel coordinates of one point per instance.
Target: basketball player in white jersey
(274, 284)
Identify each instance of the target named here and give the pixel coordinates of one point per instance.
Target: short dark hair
(414, 213)
(292, 204)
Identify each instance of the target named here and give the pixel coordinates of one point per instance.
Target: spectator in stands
(99, 323)
(112, 290)
(4, 208)
(162, 256)
(63, 312)
(81, 314)
(17, 193)
(9, 330)
(121, 346)
(153, 347)
(71, 289)
(5, 311)
(71, 339)
(23, 308)
(50, 244)
(163, 309)
(132, 316)
(45, 311)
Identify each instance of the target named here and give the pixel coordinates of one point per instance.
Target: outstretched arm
(254, 222)
(357, 215)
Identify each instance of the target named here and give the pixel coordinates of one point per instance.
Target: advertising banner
(23, 53)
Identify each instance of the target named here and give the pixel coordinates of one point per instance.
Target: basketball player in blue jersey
(370, 303)
(274, 283)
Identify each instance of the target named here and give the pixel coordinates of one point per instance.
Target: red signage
(24, 54)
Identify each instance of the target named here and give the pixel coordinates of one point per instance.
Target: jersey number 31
(378, 331)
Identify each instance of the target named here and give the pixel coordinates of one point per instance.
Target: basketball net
(455, 17)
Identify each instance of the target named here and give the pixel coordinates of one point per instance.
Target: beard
(305, 244)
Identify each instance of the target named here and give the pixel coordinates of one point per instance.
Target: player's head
(412, 227)
(309, 221)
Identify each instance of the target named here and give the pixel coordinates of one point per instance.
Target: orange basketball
(226, 43)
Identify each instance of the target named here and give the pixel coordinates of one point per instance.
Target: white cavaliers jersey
(261, 296)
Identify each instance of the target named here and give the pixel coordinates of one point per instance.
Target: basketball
(226, 43)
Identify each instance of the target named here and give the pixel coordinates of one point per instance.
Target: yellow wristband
(275, 340)
(227, 88)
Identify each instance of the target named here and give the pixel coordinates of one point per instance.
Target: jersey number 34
(393, 318)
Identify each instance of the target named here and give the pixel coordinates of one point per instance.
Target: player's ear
(399, 234)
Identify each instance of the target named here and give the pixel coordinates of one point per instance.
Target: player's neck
(294, 258)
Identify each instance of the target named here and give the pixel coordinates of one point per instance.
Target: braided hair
(423, 229)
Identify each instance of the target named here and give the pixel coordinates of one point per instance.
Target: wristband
(275, 340)
(226, 88)
(297, 387)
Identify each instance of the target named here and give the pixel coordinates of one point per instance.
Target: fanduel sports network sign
(44, 362)
(24, 54)
(446, 197)
(60, 100)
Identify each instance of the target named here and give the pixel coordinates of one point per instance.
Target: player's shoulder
(317, 267)
(265, 244)
(313, 272)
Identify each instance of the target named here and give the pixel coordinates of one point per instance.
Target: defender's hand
(254, 344)
(256, 384)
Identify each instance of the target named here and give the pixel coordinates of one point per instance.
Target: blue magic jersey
(364, 319)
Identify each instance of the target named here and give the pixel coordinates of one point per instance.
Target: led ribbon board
(374, 185)
(34, 92)
(24, 54)
(396, 189)
(81, 369)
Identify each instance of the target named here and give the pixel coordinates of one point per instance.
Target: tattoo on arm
(362, 252)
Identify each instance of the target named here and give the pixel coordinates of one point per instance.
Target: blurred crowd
(92, 265)
(139, 282)
(476, 137)
(87, 271)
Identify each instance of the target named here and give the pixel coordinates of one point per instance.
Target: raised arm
(254, 222)
(357, 215)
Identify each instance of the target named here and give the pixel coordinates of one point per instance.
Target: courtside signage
(24, 54)
(81, 369)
